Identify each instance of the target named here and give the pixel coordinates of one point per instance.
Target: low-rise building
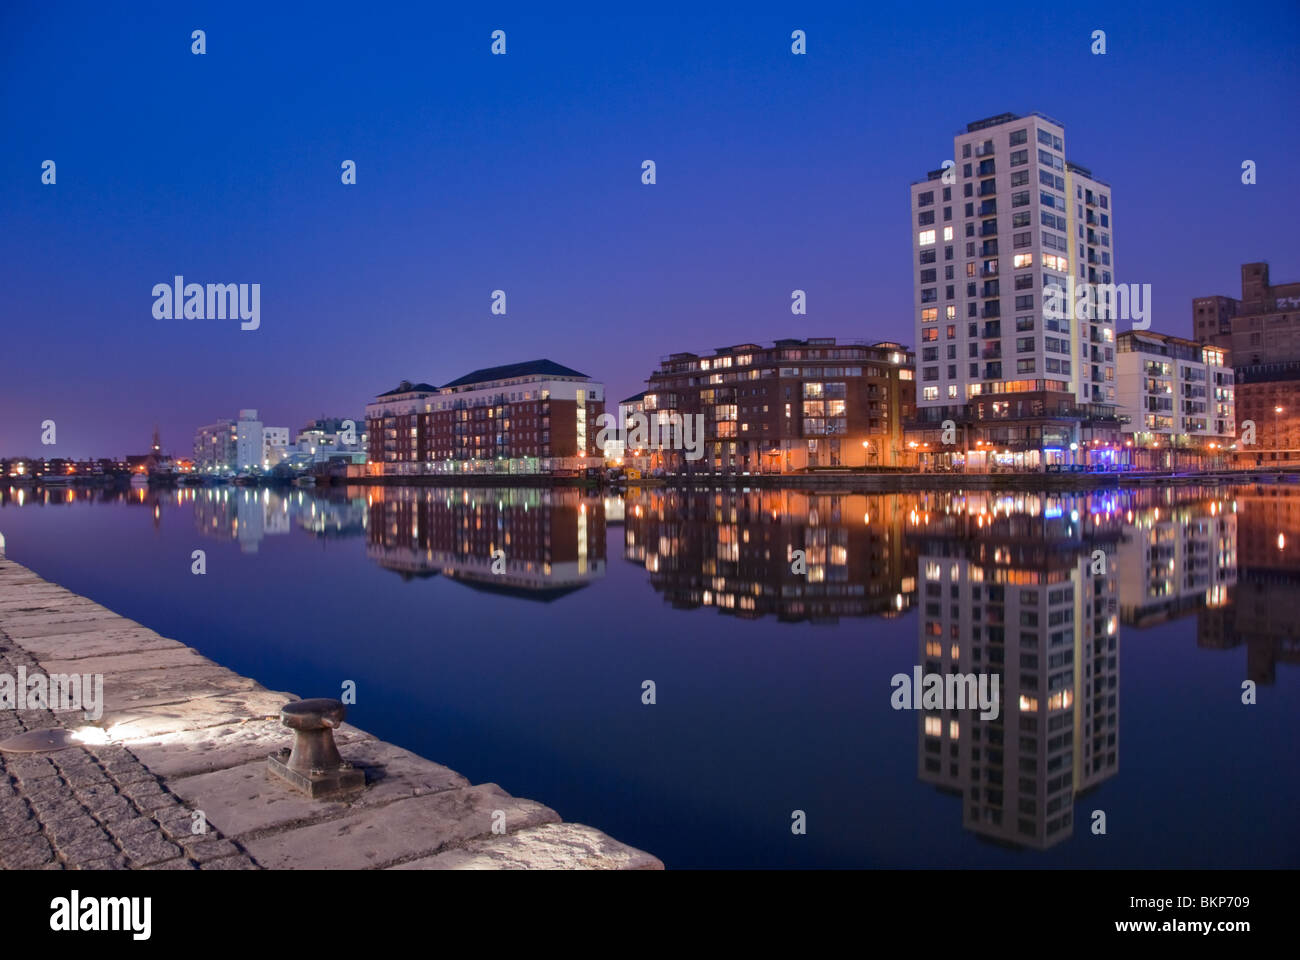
(214, 447)
(798, 404)
(1176, 400)
(533, 417)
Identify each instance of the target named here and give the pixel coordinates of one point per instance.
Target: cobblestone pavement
(93, 807)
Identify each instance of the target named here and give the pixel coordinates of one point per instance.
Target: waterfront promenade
(173, 775)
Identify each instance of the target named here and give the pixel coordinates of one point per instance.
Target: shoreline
(183, 741)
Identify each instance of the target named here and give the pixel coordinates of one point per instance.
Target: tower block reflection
(1024, 586)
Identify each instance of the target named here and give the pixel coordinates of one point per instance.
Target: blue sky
(522, 173)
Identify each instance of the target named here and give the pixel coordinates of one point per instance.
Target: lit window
(933, 726)
(947, 234)
(926, 238)
(1022, 260)
(1028, 704)
(954, 730)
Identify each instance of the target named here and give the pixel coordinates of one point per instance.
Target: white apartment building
(275, 445)
(248, 441)
(1175, 392)
(1006, 218)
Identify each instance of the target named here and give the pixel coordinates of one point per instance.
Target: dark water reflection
(508, 632)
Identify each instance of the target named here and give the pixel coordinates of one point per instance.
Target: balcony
(989, 230)
(991, 311)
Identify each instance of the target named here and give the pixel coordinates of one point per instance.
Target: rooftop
(406, 386)
(509, 371)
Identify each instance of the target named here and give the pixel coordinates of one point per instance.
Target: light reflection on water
(1133, 612)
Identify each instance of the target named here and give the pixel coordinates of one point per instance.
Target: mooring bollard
(313, 764)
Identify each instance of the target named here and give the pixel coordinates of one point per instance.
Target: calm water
(1123, 625)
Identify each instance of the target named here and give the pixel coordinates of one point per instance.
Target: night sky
(477, 172)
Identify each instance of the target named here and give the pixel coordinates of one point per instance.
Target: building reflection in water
(1261, 611)
(1023, 586)
(1179, 554)
(550, 541)
(246, 515)
(736, 551)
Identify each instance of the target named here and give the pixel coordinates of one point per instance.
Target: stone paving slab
(111, 665)
(47, 627)
(552, 846)
(137, 723)
(69, 646)
(402, 830)
(182, 782)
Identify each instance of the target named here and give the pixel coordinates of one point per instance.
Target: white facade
(275, 444)
(1015, 218)
(1172, 387)
(248, 441)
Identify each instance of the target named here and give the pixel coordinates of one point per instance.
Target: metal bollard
(313, 764)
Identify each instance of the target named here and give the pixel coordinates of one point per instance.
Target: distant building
(627, 410)
(330, 438)
(533, 417)
(1262, 327)
(248, 441)
(1268, 396)
(1262, 332)
(214, 447)
(1177, 396)
(794, 405)
(275, 445)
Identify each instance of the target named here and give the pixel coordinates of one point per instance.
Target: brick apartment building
(533, 417)
(1262, 333)
(795, 405)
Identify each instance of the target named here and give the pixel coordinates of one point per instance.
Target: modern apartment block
(331, 438)
(532, 417)
(275, 445)
(1177, 396)
(992, 229)
(1015, 590)
(214, 447)
(794, 405)
(1262, 327)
